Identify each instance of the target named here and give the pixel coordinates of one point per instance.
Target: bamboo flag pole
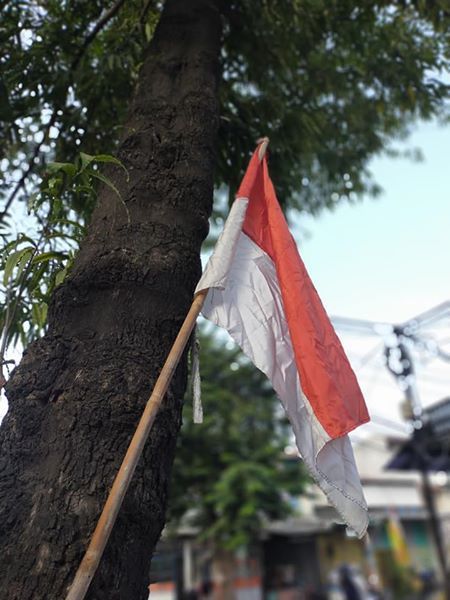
(263, 147)
(91, 559)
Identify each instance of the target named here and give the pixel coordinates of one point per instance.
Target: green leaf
(68, 168)
(60, 276)
(73, 224)
(12, 260)
(14, 243)
(39, 312)
(62, 235)
(36, 278)
(23, 262)
(6, 111)
(33, 201)
(87, 159)
(148, 29)
(86, 188)
(108, 158)
(107, 181)
(47, 256)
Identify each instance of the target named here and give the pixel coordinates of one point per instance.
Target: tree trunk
(77, 396)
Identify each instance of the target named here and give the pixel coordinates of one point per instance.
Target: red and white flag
(261, 293)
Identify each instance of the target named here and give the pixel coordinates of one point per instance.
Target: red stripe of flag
(326, 376)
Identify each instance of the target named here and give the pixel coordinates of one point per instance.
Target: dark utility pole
(400, 363)
(428, 448)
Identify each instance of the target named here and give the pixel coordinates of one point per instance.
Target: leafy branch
(32, 268)
(30, 167)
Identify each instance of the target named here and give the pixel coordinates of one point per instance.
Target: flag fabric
(397, 540)
(261, 293)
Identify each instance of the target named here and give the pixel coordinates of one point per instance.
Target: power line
(369, 356)
(370, 443)
(385, 422)
(432, 315)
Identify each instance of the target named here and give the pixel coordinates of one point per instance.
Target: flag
(261, 293)
(397, 540)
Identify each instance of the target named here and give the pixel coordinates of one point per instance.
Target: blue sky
(388, 258)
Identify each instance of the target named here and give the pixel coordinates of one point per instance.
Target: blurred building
(301, 557)
(392, 496)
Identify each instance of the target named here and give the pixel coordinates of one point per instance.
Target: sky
(388, 260)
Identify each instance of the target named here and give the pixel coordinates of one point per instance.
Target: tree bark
(78, 393)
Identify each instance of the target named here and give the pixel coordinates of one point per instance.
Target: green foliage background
(231, 474)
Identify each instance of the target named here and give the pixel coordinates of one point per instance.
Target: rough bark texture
(78, 394)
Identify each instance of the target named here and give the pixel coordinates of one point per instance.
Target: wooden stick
(91, 559)
(262, 149)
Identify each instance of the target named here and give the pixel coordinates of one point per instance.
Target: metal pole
(413, 398)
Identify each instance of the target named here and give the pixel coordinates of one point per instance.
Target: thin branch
(4, 337)
(30, 167)
(104, 20)
(145, 11)
(109, 14)
(10, 314)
